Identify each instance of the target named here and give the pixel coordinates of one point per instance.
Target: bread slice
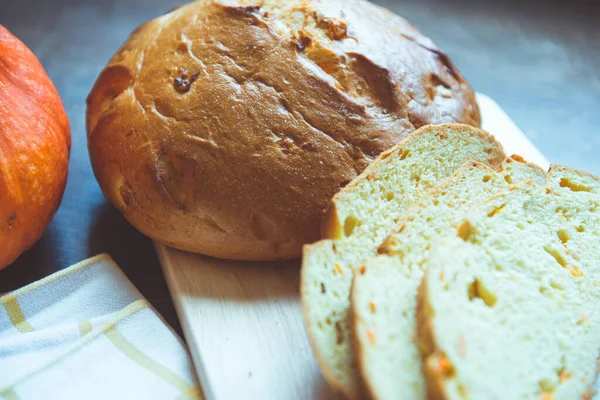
(384, 290)
(360, 217)
(572, 179)
(508, 308)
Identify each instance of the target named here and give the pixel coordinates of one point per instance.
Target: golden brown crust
(224, 129)
(518, 158)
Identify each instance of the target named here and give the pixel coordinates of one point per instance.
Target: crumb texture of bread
(383, 294)
(360, 217)
(225, 126)
(508, 310)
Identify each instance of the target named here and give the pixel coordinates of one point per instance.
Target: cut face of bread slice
(572, 180)
(360, 217)
(509, 307)
(384, 290)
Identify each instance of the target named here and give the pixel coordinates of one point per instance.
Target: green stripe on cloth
(151, 365)
(17, 318)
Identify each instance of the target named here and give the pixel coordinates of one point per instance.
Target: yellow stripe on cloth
(10, 303)
(17, 318)
(85, 327)
(58, 275)
(126, 312)
(193, 393)
(9, 394)
(149, 364)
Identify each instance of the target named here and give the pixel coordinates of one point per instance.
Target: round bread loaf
(224, 127)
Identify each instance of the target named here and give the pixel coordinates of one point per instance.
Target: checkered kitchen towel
(87, 333)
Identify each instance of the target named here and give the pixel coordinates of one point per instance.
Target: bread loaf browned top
(224, 127)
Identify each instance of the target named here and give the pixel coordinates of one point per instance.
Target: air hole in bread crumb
(372, 307)
(563, 236)
(328, 321)
(404, 154)
(416, 178)
(576, 272)
(563, 374)
(362, 270)
(557, 285)
(476, 290)
(389, 196)
(349, 224)
(464, 230)
(339, 334)
(496, 210)
(544, 290)
(508, 179)
(323, 290)
(338, 269)
(556, 255)
(436, 202)
(547, 386)
(574, 186)
(546, 396)
(487, 178)
(580, 228)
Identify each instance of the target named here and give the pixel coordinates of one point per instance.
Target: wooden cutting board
(243, 320)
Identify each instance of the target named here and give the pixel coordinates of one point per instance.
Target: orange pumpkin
(34, 148)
